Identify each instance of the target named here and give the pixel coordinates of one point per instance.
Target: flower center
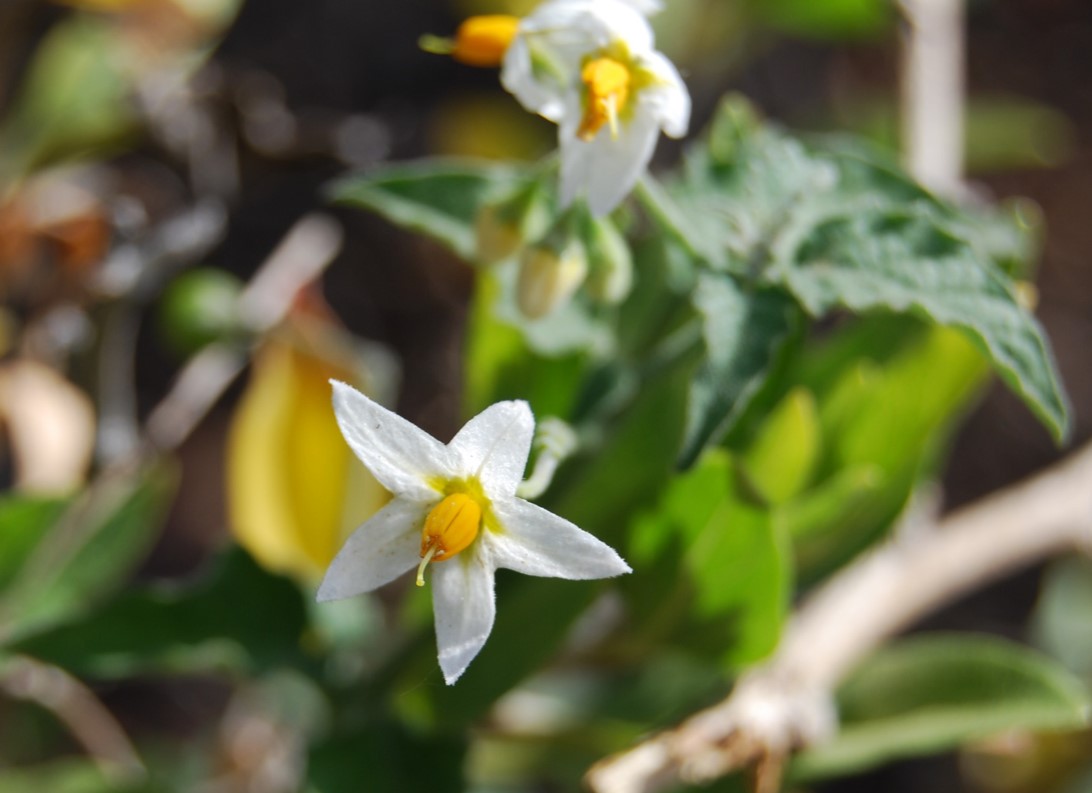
(607, 82)
(449, 528)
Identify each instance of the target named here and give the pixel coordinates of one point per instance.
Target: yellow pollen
(449, 528)
(607, 83)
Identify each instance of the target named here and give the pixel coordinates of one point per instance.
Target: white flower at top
(591, 67)
(455, 513)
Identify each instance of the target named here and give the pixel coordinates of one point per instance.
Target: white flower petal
(400, 455)
(537, 542)
(379, 551)
(604, 170)
(669, 101)
(541, 67)
(646, 7)
(462, 597)
(494, 446)
(536, 92)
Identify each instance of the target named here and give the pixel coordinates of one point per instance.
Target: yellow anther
(607, 84)
(449, 528)
(479, 41)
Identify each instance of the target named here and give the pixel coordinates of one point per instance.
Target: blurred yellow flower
(293, 495)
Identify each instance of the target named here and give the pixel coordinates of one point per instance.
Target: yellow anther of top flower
(449, 528)
(479, 41)
(483, 40)
(607, 83)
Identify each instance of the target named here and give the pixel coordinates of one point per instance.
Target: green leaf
(928, 694)
(24, 521)
(501, 362)
(236, 616)
(1063, 616)
(730, 554)
(831, 19)
(386, 758)
(437, 198)
(840, 226)
(903, 261)
(882, 432)
(840, 505)
(782, 458)
(90, 550)
(69, 776)
(745, 332)
(733, 211)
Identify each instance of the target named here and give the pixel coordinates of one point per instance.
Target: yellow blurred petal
(292, 481)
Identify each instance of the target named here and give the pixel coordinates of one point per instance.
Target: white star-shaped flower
(455, 512)
(591, 67)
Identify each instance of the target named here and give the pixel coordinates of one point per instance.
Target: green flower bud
(609, 260)
(199, 307)
(503, 227)
(549, 275)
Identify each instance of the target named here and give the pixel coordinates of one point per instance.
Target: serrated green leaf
(744, 333)
(89, 552)
(437, 198)
(902, 261)
(840, 225)
(733, 213)
(928, 694)
(236, 616)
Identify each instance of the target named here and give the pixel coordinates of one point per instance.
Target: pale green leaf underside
(436, 198)
(929, 694)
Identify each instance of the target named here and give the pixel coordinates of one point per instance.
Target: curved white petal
(605, 169)
(669, 101)
(462, 597)
(575, 28)
(399, 454)
(379, 551)
(494, 446)
(538, 542)
(539, 93)
(646, 7)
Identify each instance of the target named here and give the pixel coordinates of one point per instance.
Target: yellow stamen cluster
(607, 82)
(449, 528)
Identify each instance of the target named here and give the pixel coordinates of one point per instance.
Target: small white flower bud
(610, 262)
(548, 277)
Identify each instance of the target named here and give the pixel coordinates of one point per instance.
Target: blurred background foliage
(157, 624)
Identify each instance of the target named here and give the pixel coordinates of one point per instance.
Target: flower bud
(549, 276)
(609, 260)
(502, 227)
